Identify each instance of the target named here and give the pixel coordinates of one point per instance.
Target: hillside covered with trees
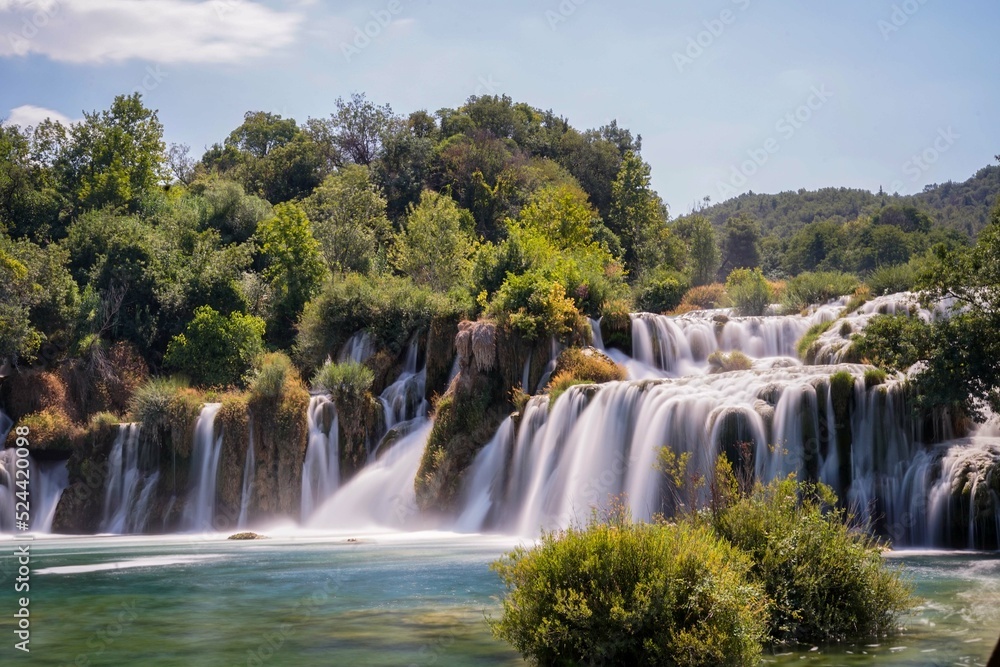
(127, 258)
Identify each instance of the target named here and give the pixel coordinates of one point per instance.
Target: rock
(246, 536)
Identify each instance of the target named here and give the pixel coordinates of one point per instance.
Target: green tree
(638, 217)
(114, 157)
(348, 214)
(295, 267)
(216, 350)
(18, 337)
(435, 246)
(740, 243)
(702, 250)
(562, 214)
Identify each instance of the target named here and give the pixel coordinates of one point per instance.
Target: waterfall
(249, 470)
(321, 468)
(404, 400)
(46, 482)
(199, 511)
(49, 480)
(130, 485)
(381, 496)
(358, 348)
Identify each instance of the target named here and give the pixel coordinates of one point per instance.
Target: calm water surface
(382, 600)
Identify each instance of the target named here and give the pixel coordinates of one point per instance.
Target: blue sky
(729, 95)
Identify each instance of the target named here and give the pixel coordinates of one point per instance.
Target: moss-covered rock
(722, 362)
(465, 418)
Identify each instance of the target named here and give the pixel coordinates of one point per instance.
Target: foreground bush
(622, 594)
(825, 582)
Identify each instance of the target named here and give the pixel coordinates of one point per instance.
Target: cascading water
(358, 348)
(249, 470)
(131, 483)
(404, 400)
(199, 512)
(45, 483)
(381, 496)
(681, 345)
(321, 469)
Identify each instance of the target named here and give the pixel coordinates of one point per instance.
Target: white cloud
(162, 31)
(29, 115)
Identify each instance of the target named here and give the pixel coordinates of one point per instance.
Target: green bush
(622, 594)
(720, 362)
(390, 308)
(661, 291)
(749, 291)
(807, 289)
(346, 380)
(893, 279)
(874, 377)
(216, 350)
(276, 371)
(705, 297)
(825, 581)
(893, 342)
(535, 307)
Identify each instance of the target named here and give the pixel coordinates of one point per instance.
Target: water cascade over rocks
(555, 462)
(46, 481)
(131, 482)
(200, 509)
(321, 469)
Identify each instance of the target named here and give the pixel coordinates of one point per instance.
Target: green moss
(874, 377)
(721, 362)
(806, 345)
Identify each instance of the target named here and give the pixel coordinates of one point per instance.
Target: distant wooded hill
(963, 207)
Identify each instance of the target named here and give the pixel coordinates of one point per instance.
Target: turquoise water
(389, 600)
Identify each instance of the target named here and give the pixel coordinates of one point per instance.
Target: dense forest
(124, 257)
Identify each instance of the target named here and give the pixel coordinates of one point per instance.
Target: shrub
(893, 342)
(167, 406)
(893, 279)
(874, 377)
(720, 362)
(825, 581)
(346, 380)
(390, 308)
(705, 297)
(807, 289)
(749, 291)
(51, 429)
(589, 365)
(660, 292)
(216, 350)
(275, 374)
(535, 308)
(623, 594)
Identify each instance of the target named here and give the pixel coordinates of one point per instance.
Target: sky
(729, 95)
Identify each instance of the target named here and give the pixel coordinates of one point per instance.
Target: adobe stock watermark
(900, 16)
(487, 85)
(786, 128)
(714, 29)
(31, 25)
(920, 163)
(371, 30)
(562, 13)
(154, 76)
